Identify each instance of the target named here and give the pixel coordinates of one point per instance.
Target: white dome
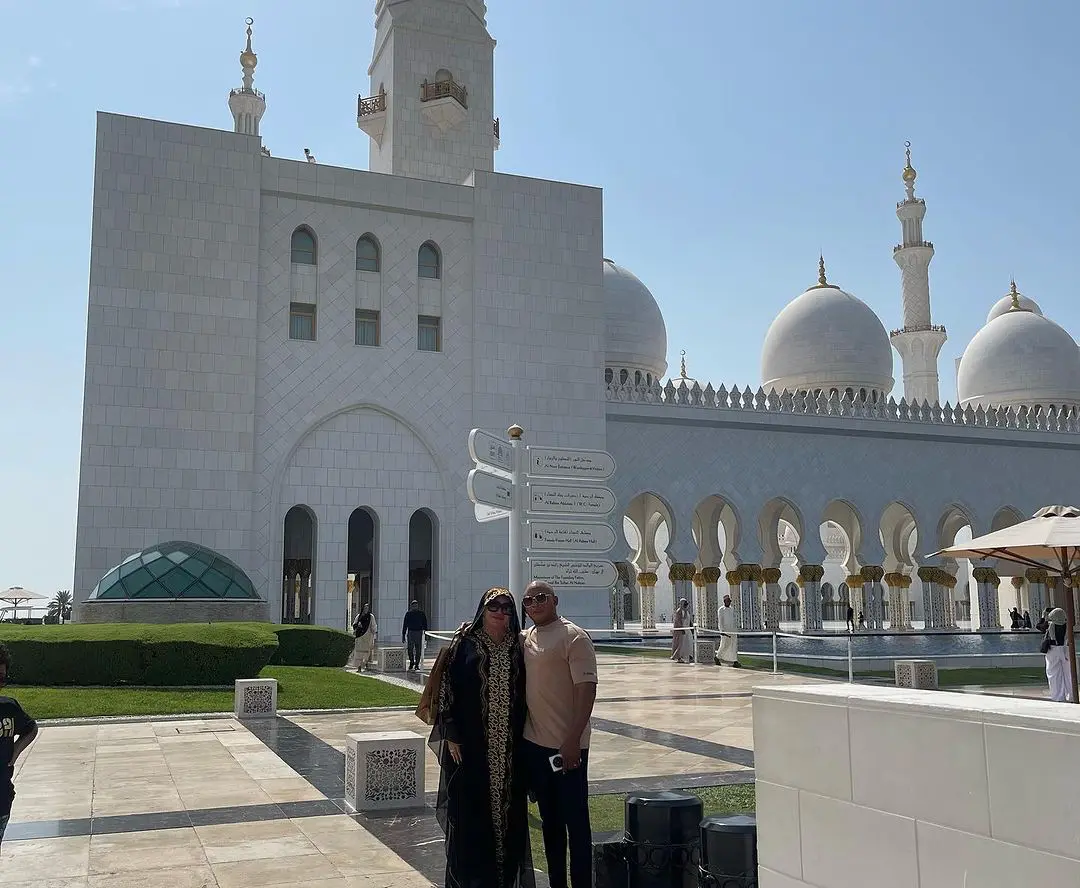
(827, 339)
(636, 335)
(1006, 302)
(1020, 358)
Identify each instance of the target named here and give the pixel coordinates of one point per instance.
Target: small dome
(175, 570)
(636, 335)
(827, 339)
(1005, 303)
(1020, 358)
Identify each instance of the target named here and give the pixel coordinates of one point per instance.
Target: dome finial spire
(682, 363)
(1014, 294)
(909, 173)
(822, 281)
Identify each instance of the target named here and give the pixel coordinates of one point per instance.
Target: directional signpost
(552, 502)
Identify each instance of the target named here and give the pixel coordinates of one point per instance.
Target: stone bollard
(255, 698)
(920, 674)
(390, 659)
(384, 771)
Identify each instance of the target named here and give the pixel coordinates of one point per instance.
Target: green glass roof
(175, 570)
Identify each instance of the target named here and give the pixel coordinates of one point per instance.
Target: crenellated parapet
(844, 405)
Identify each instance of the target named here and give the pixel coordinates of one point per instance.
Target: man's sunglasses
(537, 598)
(495, 607)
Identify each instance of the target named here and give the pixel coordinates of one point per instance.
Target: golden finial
(682, 364)
(909, 170)
(821, 280)
(1015, 295)
(248, 59)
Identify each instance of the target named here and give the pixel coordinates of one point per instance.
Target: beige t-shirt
(557, 657)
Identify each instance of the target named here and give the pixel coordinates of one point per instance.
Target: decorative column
(855, 594)
(700, 612)
(933, 606)
(898, 584)
(874, 611)
(711, 575)
(987, 579)
(770, 576)
(734, 579)
(681, 575)
(810, 581)
(947, 582)
(1018, 585)
(749, 597)
(1038, 592)
(647, 584)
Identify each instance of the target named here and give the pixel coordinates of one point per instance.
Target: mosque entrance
(362, 557)
(423, 575)
(298, 566)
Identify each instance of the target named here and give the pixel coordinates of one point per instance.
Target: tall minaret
(246, 103)
(919, 341)
(429, 108)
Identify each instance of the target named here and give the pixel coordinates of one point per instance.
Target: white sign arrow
(489, 513)
(562, 499)
(490, 490)
(567, 573)
(570, 537)
(489, 450)
(558, 462)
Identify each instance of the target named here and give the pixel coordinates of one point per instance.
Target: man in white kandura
(727, 654)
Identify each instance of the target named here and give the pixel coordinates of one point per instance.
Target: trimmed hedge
(311, 646)
(138, 653)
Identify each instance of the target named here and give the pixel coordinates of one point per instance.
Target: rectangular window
(302, 321)
(428, 334)
(367, 327)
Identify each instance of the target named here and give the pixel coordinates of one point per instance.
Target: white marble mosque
(284, 359)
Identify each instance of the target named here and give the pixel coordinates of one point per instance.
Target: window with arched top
(834, 393)
(637, 377)
(609, 375)
(428, 261)
(623, 376)
(303, 246)
(849, 394)
(862, 394)
(442, 76)
(367, 254)
(873, 397)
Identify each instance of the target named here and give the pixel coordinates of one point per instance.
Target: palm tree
(60, 606)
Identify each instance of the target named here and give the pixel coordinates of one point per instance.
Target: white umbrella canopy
(1049, 540)
(18, 595)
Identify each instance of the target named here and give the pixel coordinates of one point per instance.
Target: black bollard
(663, 839)
(728, 852)
(609, 861)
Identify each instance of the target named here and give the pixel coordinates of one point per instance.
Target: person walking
(1057, 662)
(413, 628)
(727, 654)
(850, 618)
(365, 629)
(17, 732)
(682, 645)
(560, 690)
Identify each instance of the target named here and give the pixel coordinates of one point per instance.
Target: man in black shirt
(17, 731)
(413, 628)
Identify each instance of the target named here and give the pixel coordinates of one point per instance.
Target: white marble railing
(807, 404)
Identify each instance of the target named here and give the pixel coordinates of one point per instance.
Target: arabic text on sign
(574, 574)
(570, 463)
(571, 500)
(587, 537)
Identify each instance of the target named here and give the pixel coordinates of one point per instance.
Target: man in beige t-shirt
(560, 690)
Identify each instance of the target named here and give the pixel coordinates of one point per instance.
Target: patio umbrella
(18, 597)
(1049, 540)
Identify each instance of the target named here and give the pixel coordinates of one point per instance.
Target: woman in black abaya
(480, 716)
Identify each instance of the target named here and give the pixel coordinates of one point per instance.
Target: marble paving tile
(274, 871)
(176, 877)
(154, 849)
(63, 858)
(253, 841)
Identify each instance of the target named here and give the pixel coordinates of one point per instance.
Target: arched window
(442, 76)
(298, 566)
(862, 395)
(303, 246)
(873, 396)
(623, 376)
(834, 393)
(429, 264)
(850, 394)
(637, 377)
(367, 254)
(609, 375)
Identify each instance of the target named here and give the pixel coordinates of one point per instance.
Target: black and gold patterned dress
(482, 803)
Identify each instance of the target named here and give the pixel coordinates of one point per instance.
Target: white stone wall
(922, 788)
(169, 404)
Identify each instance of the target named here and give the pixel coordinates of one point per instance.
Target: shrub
(137, 653)
(311, 646)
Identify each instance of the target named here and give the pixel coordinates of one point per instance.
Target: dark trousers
(415, 647)
(563, 800)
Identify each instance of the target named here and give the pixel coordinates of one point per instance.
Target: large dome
(1020, 358)
(636, 335)
(827, 339)
(175, 570)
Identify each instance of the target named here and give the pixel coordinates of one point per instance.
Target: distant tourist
(17, 731)
(850, 618)
(560, 682)
(682, 647)
(1043, 623)
(1014, 619)
(482, 803)
(862, 620)
(1057, 664)
(413, 628)
(727, 654)
(1027, 620)
(365, 629)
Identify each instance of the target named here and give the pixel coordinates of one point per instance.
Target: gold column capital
(734, 577)
(647, 578)
(1037, 575)
(750, 572)
(1017, 582)
(699, 580)
(986, 575)
(771, 575)
(711, 574)
(681, 571)
(811, 573)
(872, 573)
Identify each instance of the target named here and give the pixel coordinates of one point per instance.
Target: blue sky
(732, 140)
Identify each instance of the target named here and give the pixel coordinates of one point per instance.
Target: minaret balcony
(900, 247)
(444, 104)
(371, 115)
(246, 91)
(921, 328)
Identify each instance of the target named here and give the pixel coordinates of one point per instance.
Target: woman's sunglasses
(537, 598)
(495, 607)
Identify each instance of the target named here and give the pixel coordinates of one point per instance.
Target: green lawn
(299, 687)
(606, 812)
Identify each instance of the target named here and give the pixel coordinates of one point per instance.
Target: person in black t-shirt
(17, 731)
(413, 628)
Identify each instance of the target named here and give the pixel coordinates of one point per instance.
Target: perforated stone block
(920, 674)
(384, 771)
(390, 659)
(704, 649)
(255, 698)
